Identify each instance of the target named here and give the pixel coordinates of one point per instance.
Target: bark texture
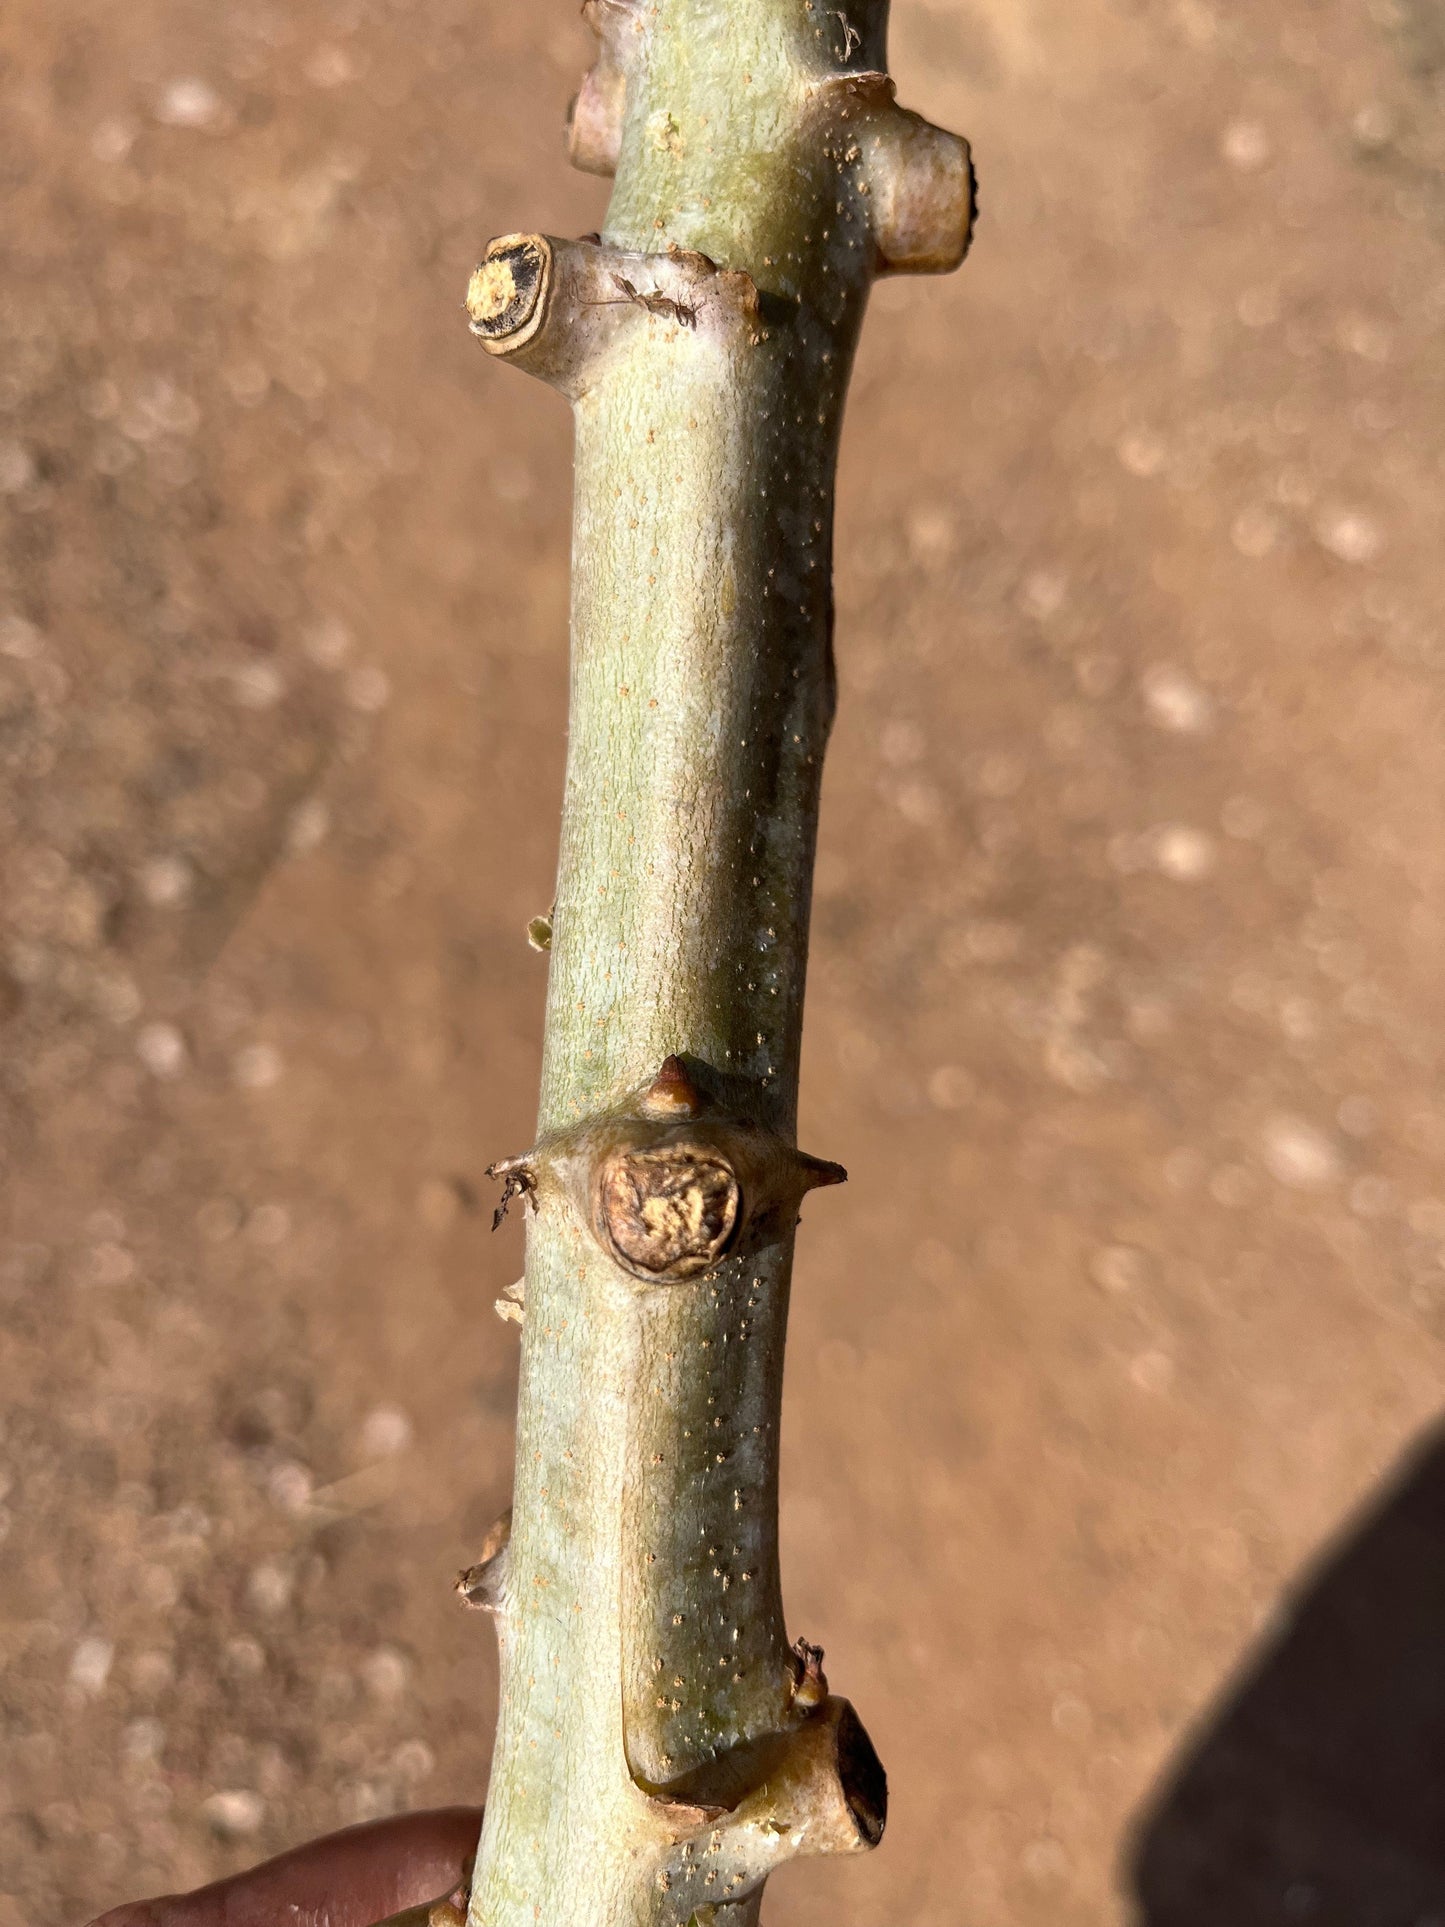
(663, 1744)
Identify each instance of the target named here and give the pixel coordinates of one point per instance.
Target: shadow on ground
(1317, 1792)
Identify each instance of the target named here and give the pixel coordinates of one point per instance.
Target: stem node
(561, 309)
(823, 1790)
(670, 1183)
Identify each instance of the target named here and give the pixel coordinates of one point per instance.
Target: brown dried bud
(480, 1587)
(451, 1912)
(810, 1682)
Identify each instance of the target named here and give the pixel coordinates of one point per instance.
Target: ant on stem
(652, 299)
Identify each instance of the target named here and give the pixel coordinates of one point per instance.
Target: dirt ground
(1126, 1002)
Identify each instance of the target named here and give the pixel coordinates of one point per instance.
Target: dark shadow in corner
(1316, 1791)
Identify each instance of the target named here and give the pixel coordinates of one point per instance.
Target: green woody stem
(662, 1744)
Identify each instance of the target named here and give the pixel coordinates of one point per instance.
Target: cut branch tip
(922, 184)
(507, 294)
(594, 120)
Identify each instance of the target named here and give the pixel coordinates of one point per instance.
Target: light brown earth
(1127, 995)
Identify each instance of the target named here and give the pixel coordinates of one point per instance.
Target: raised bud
(671, 1093)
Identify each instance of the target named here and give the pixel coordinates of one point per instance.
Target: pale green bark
(656, 1753)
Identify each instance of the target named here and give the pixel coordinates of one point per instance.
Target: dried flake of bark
(518, 1181)
(511, 1306)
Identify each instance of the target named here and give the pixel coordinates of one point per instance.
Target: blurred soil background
(1127, 1000)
